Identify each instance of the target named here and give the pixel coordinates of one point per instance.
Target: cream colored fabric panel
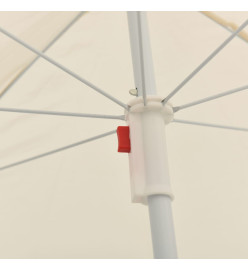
(229, 20)
(36, 28)
(236, 17)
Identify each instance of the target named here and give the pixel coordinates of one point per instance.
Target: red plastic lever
(123, 139)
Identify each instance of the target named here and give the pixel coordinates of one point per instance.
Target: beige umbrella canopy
(76, 203)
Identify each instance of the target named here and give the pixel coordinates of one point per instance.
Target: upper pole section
(141, 53)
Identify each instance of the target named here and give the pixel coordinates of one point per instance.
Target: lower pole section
(162, 228)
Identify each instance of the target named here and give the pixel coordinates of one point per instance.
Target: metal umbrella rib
(197, 102)
(57, 150)
(84, 115)
(181, 121)
(63, 31)
(65, 69)
(205, 62)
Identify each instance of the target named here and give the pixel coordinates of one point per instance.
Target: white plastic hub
(148, 157)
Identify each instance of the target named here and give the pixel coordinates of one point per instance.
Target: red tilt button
(123, 139)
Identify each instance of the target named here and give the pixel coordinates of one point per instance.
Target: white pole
(162, 227)
(155, 159)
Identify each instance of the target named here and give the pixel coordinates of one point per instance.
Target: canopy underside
(76, 204)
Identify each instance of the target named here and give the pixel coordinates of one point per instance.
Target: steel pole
(160, 212)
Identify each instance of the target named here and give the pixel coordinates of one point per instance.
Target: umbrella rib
(191, 104)
(61, 33)
(141, 57)
(65, 69)
(209, 125)
(119, 117)
(208, 59)
(223, 24)
(57, 150)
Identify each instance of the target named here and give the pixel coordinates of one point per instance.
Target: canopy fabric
(36, 28)
(77, 203)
